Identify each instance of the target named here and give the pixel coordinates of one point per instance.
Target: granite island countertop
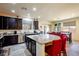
(43, 38)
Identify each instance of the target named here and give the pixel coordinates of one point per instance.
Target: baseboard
(76, 40)
(21, 42)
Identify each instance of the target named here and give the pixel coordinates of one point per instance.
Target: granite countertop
(1, 36)
(44, 38)
(10, 34)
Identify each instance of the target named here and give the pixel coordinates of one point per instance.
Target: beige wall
(52, 26)
(77, 29)
(43, 23)
(76, 32)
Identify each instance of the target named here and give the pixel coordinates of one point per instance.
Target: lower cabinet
(31, 45)
(1, 48)
(33, 48)
(10, 40)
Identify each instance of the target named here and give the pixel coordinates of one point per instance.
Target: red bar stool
(55, 33)
(55, 48)
(52, 33)
(64, 39)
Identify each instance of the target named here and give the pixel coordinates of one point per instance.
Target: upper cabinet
(10, 23)
(5, 22)
(19, 23)
(35, 25)
(1, 22)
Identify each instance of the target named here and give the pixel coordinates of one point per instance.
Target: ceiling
(46, 11)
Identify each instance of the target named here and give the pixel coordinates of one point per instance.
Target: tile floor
(20, 50)
(73, 49)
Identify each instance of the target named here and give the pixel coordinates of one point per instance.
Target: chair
(55, 33)
(55, 48)
(64, 39)
(52, 33)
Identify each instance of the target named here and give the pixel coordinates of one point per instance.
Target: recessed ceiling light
(34, 9)
(13, 11)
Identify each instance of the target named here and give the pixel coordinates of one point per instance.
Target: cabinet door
(35, 25)
(27, 41)
(7, 41)
(10, 40)
(29, 46)
(33, 48)
(14, 39)
(5, 22)
(1, 22)
(19, 23)
(11, 23)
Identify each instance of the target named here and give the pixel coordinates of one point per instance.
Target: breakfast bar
(36, 43)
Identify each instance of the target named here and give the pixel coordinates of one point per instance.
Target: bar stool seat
(55, 48)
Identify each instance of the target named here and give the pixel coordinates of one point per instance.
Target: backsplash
(18, 31)
(10, 31)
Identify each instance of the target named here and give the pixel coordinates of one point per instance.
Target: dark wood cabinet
(1, 22)
(1, 46)
(10, 23)
(35, 25)
(31, 45)
(19, 23)
(10, 40)
(5, 23)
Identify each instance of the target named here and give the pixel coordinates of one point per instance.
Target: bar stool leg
(64, 53)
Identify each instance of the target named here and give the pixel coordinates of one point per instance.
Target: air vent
(24, 8)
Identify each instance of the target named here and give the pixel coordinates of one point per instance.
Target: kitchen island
(36, 43)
